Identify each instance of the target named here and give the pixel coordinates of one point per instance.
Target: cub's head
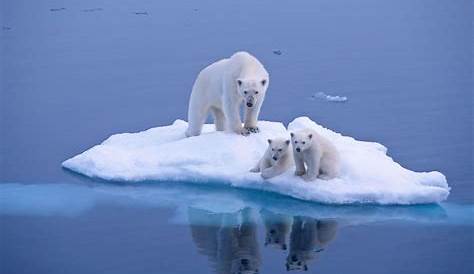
(301, 140)
(278, 147)
(275, 237)
(296, 261)
(253, 90)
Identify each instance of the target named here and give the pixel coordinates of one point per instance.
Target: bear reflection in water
(229, 240)
(308, 238)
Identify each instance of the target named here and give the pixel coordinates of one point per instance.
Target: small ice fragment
(92, 10)
(57, 9)
(329, 98)
(277, 52)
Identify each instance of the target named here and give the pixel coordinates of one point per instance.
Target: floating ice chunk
(164, 154)
(329, 98)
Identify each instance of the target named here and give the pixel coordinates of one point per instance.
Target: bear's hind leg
(219, 118)
(196, 119)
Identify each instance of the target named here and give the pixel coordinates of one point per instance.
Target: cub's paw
(308, 178)
(299, 172)
(255, 170)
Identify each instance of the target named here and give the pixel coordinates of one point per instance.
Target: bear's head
(278, 148)
(252, 90)
(301, 140)
(244, 265)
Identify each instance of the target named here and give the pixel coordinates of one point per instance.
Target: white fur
(279, 149)
(317, 156)
(221, 88)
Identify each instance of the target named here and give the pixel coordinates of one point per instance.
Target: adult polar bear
(221, 88)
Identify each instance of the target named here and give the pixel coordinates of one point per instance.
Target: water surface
(74, 73)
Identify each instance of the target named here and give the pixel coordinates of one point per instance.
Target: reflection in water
(308, 238)
(277, 228)
(230, 243)
(229, 240)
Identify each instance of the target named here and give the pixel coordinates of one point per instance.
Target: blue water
(73, 73)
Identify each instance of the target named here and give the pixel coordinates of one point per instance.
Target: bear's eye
(245, 92)
(279, 149)
(304, 143)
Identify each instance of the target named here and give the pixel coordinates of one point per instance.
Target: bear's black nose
(249, 105)
(275, 158)
(298, 149)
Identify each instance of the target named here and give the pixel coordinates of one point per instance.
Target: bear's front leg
(299, 164)
(313, 163)
(251, 117)
(271, 172)
(232, 115)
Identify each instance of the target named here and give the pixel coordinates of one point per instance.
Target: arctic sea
(73, 73)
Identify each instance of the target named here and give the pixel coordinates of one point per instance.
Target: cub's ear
(269, 141)
(239, 82)
(287, 142)
(310, 136)
(292, 134)
(264, 82)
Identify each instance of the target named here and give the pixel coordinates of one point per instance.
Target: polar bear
(318, 153)
(277, 228)
(308, 238)
(276, 160)
(228, 239)
(221, 88)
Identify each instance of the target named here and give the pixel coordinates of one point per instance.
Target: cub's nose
(275, 158)
(298, 149)
(249, 105)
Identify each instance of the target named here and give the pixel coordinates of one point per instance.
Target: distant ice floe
(164, 154)
(329, 98)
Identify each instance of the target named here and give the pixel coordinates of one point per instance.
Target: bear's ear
(269, 141)
(310, 136)
(239, 82)
(264, 82)
(292, 134)
(287, 142)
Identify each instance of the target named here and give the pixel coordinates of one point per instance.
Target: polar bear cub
(314, 155)
(221, 88)
(276, 160)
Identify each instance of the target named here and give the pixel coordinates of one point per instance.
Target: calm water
(73, 73)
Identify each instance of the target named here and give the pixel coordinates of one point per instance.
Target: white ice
(164, 154)
(330, 98)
